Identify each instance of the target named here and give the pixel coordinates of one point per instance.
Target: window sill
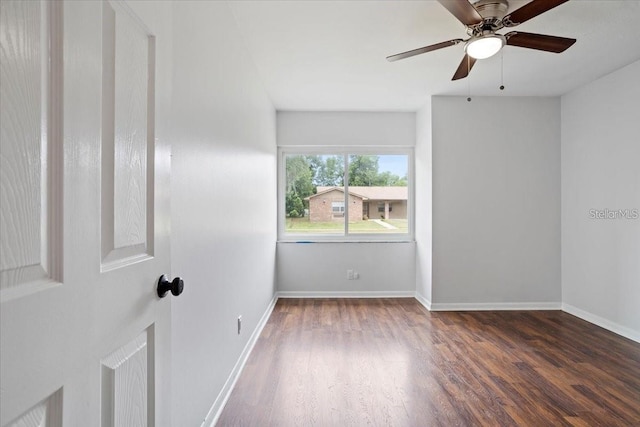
(307, 241)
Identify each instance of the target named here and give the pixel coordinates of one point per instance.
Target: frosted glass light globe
(484, 47)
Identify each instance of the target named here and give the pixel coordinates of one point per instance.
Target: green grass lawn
(303, 225)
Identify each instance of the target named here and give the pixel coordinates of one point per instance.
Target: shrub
(294, 205)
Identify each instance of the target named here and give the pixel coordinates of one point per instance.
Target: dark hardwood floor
(390, 362)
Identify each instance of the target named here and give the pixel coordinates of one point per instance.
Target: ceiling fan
(483, 19)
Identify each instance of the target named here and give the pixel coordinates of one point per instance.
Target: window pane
(378, 193)
(314, 194)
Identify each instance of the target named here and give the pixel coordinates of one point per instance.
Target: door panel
(26, 169)
(47, 413)
(30, 230)
(84, 213)
(125, 397)
(127, 134)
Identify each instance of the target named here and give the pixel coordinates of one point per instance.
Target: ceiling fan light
(484, 46)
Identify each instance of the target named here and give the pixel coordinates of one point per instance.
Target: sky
(396, 164)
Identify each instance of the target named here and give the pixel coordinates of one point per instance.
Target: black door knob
(175, 286)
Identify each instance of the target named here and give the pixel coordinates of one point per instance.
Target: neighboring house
(364, 202)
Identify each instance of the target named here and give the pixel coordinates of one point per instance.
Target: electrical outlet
(239, 324)
(349, 274)
(356, 275)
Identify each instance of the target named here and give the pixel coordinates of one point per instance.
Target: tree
(363, 170)
(389, 179)
(316, 165)
(299, 175)
(334, 171)
(294, 205)
(329, 171)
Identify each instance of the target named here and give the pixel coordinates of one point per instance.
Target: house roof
(325, 190)
(371, 193)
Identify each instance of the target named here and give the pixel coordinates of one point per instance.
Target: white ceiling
(330, 55)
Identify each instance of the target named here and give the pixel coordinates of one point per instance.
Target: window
(350, 194)
(381, 207)
(338, 209)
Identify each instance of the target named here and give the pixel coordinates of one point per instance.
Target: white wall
(423, 197)
(601, 170)
(317, 269)
(385, 268)
(496, 202)
(223, 203)
(346, 128)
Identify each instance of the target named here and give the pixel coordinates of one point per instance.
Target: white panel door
(84, 214)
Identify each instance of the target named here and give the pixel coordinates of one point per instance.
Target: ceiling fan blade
(465, 66)
(425, 49)
(530, 10)
(463, 10)
(539, 41)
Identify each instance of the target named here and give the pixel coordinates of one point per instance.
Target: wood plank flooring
(390, 362)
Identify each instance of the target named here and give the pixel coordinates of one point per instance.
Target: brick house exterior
(322, 205)
(364, 202)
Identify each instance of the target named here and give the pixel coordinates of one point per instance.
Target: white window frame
(340, 206)
(346, 236)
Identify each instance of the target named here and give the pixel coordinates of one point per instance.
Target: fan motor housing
(492, 9)
(492, 12)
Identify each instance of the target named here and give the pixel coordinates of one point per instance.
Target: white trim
(229, 385)
(347, 294)
(422, 300)
(602, 322)
(496, 306)
(302, 241)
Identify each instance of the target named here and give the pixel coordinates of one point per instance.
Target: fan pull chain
(501, 70)
(468, 79)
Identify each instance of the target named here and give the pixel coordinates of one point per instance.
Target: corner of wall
(599, 176)
(424, 301)
(423, 200)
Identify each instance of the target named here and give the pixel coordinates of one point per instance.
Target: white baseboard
(602, 322)
(495, 306)
(216, 410)
(422, 300)
(347, 294)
